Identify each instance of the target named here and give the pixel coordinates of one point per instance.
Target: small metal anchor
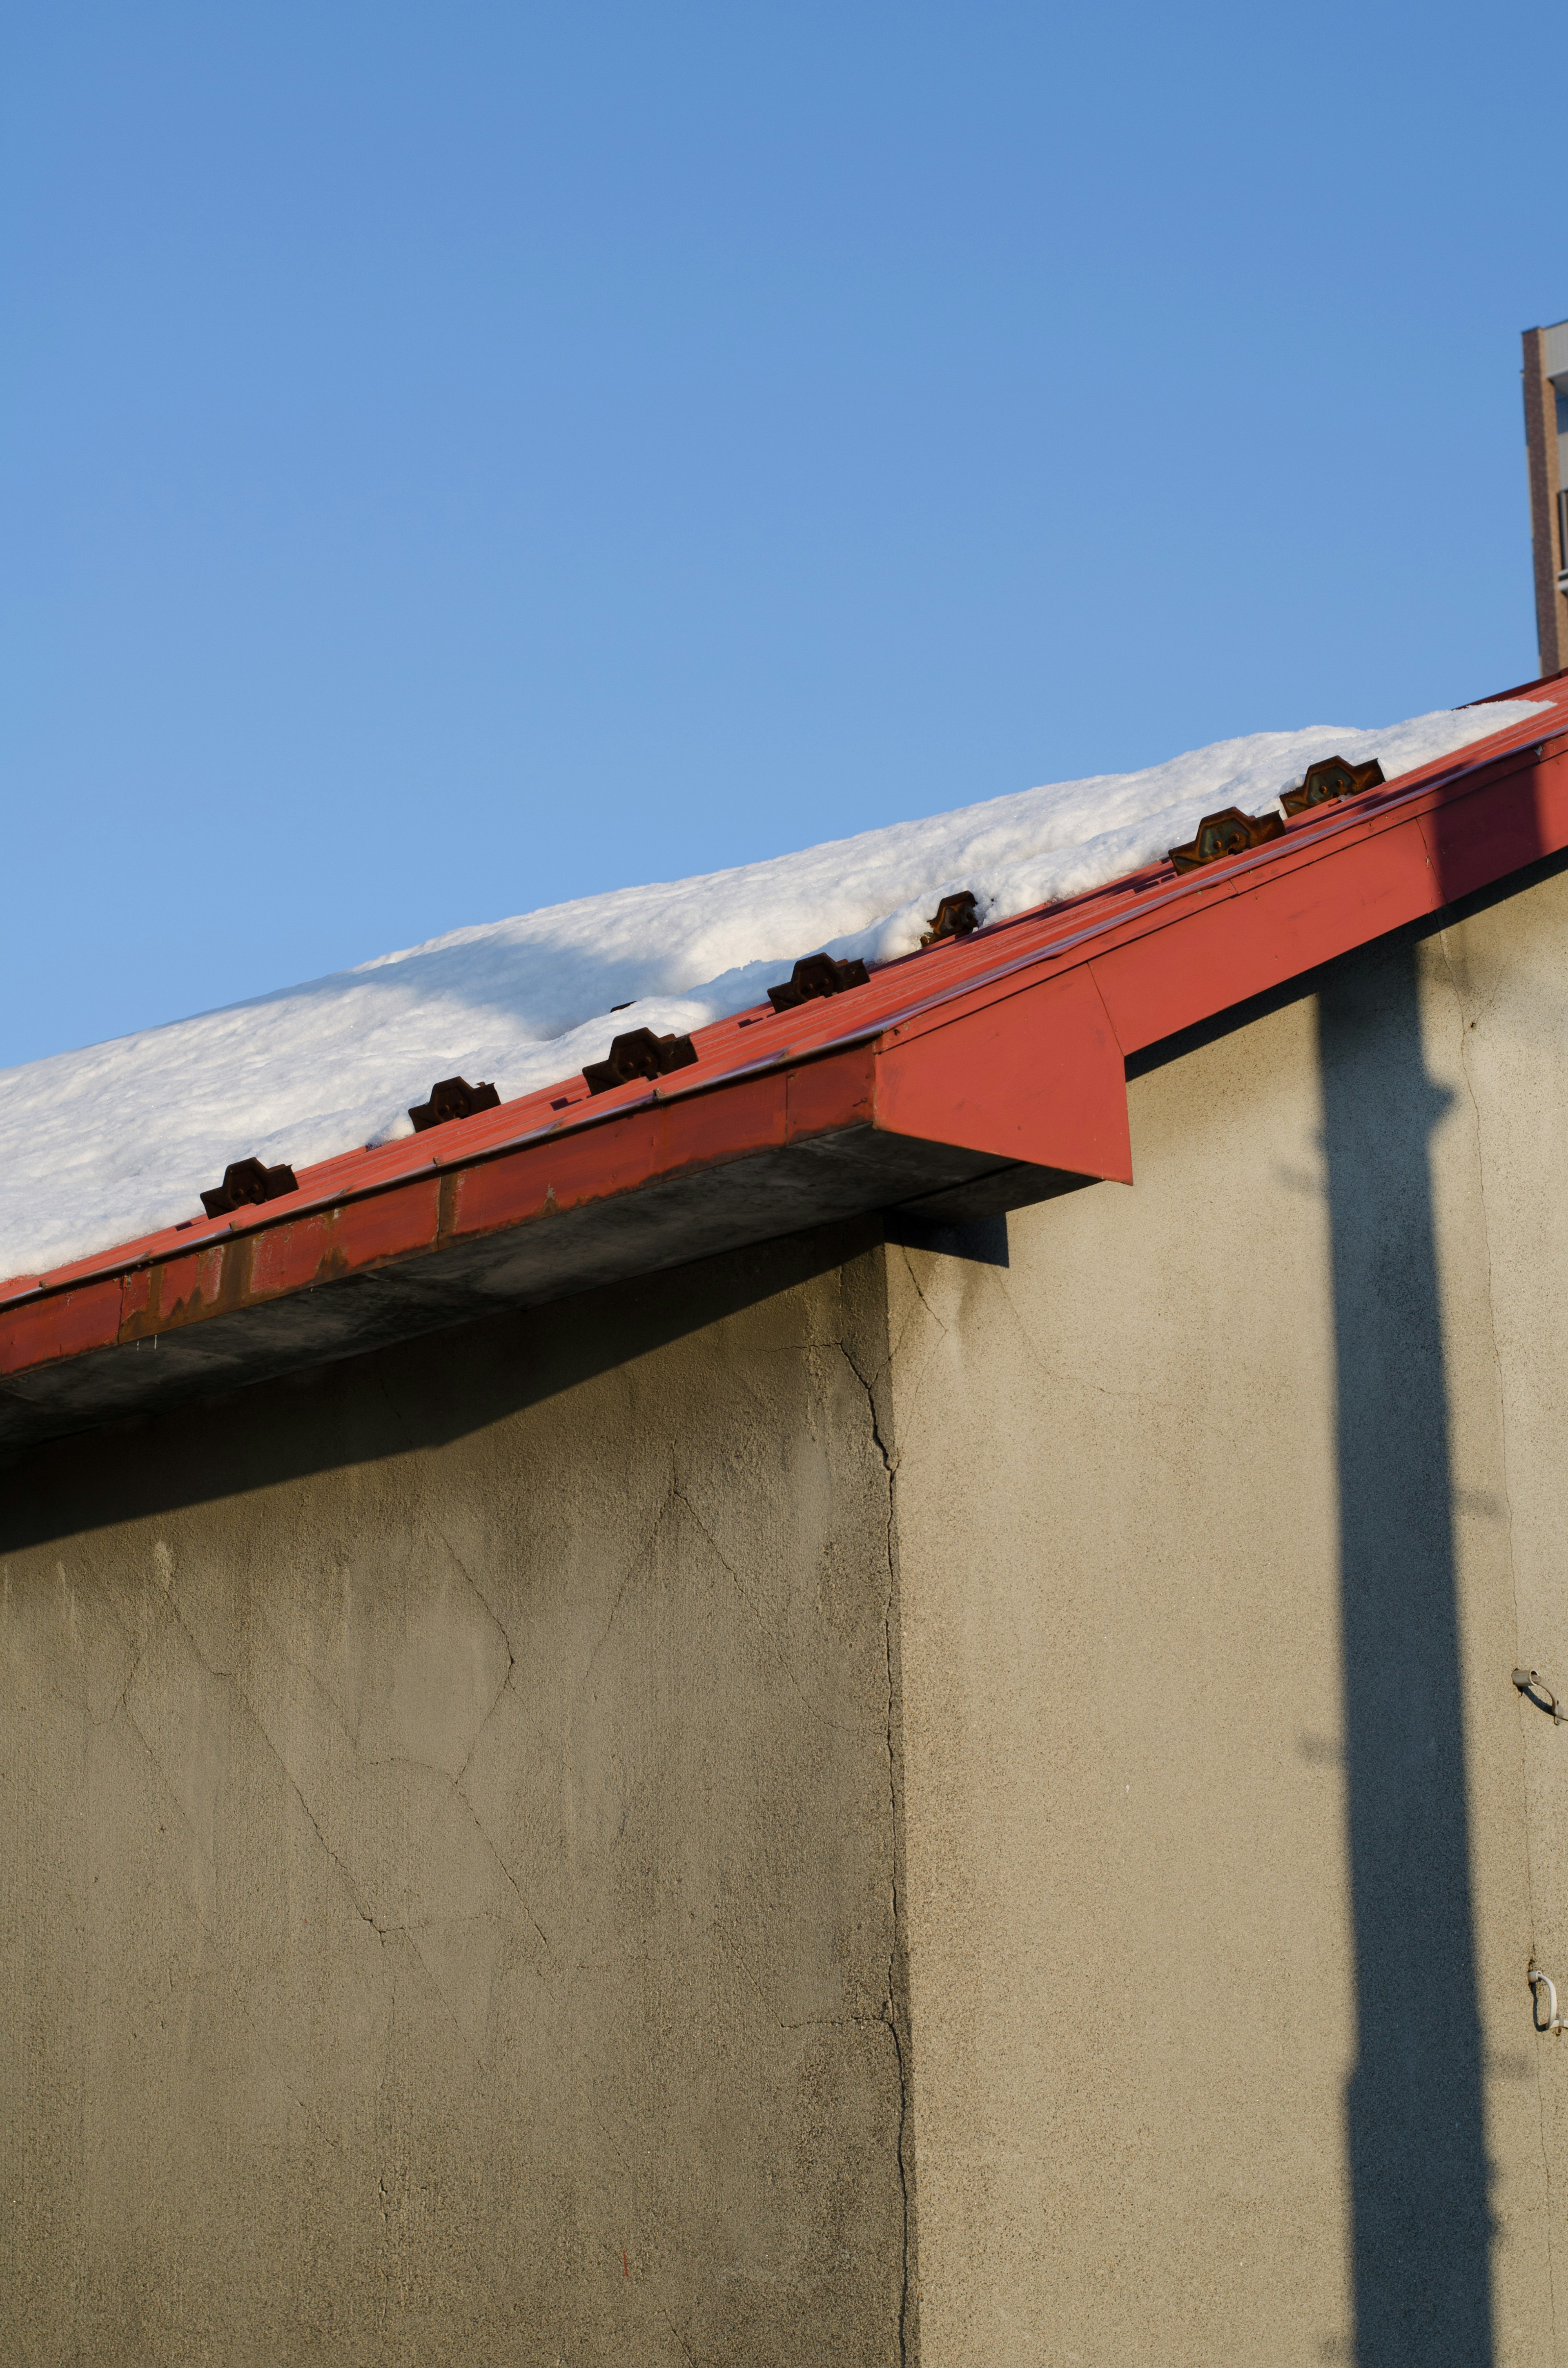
(1537, 1981)
(1533, 1687)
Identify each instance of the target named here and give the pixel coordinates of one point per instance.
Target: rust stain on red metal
(210, 1281)
(243, 1271)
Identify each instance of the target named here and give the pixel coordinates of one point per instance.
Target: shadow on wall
(1418, 2172)
(415, 1394)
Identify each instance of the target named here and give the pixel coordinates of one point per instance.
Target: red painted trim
(1037, 1076)
(1009, 1043)
(62, 1325)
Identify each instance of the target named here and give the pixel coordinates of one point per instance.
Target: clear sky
(457, 458)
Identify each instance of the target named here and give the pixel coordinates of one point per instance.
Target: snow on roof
(107, 1143)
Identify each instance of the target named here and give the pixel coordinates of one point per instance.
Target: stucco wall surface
(956, 1805)
(1225, 1505)
(447, 1853)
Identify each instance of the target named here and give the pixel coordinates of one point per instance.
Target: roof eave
(1004, 1085)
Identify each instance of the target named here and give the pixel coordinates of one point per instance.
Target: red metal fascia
(1011, 1044)
(530, 1184)
(642, 1146)
(1035, 1076)
(60, 1323)
(1341, 890)
(1256, 919)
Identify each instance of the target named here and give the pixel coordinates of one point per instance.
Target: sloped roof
(106, 1143)
(981, 1074)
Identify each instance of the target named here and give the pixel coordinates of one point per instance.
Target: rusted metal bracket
(955, 916)
(816, 974)
(453, 1097)
(1333, 779)
(1229, 832)
(639, 1053)
(246, 1184)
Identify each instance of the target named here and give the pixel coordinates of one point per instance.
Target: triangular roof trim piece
(982, 1072)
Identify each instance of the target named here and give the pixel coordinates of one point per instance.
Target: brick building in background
(1546, 439)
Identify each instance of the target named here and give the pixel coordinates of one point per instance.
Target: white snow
(100, 1146)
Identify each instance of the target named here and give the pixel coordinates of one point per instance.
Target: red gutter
(1011, 1044)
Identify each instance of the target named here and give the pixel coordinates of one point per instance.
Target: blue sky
(456, 459)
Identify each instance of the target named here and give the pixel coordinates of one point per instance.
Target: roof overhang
(981, 1075)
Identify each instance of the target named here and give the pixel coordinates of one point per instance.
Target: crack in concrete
(890, 2014)
(412, 1760)
(394, 1930)
(915, 1391)
(178, 1805)
(457, 1781)
(233, 1681)
(838, 2022)
(388, 1760)
(502, 1631)
(915, 1279)
(835, 1727)
(638, 1560)
(268, 2055)
(209, 1938)
(675, 2330)
(350, 1881)
(485, 1604)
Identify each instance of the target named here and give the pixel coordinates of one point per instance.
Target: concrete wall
(1225, 1507)
(960, 1804)
(447, 1853)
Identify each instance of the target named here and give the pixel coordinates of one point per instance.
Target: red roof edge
(985, 1073)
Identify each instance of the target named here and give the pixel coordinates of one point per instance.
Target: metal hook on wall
(1537, 1979)
(1532, 1686)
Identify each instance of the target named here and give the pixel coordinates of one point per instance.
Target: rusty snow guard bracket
(1229, 832)
(247, 1185)
(1333, 779)
(955, 916)
(453, 1097)
(639, 1053)
(815, 975)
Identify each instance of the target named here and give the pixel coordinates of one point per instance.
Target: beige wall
(1214, 1506)
(531, 1846)
(446, 1853)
